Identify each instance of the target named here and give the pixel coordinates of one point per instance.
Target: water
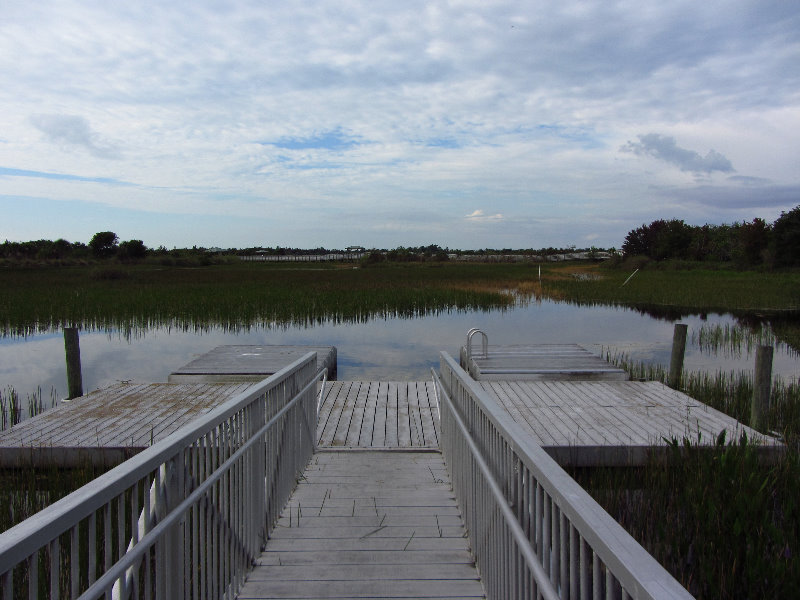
(385, 349)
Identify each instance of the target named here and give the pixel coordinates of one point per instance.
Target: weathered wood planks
(539, 362)
(109, 425)
(368, 525)
(597, 423)
(378, 414)
(249, 363)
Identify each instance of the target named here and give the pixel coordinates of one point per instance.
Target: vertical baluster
(74, 561)
(195, 518)
(55, 568)
(147, 559)
(33, 577)
(121, 541)
(108, 548)
(91, 548)
(610, 595)
(597, 576)
(563, 544)
(546, 522)
(584, 558)
(574, 542)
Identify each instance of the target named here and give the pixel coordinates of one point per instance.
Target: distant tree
(786, 238)
(753, 240)
(104, 243)
(132, 250)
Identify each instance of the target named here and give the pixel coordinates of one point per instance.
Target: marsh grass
(697, 289)
(725, 524)
(238, 296)
(11, 407)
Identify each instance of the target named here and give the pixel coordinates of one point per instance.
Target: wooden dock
(249, 363)
(544, 362)
(578, 423)
(110, 425)
(614, 423)
(368, 525)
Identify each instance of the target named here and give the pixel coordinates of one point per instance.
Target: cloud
(73, 130)
(665, 148)
(479, 215)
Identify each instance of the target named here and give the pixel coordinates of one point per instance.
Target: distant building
(356, 249)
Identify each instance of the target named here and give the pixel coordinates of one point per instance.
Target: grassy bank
(687, 290)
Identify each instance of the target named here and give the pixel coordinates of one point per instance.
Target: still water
(380, 349)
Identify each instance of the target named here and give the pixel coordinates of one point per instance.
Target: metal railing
(185, 518)
(534, 531)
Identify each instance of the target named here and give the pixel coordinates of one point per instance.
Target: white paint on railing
(209, 495)
(582, 550)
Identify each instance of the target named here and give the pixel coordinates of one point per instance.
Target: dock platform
(577, 423)
(249, 363)
(544, 362)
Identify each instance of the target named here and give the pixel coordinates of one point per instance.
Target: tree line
(747, 244)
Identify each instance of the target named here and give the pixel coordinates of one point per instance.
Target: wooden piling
(73, 351)
(762, 386)
(678, 352)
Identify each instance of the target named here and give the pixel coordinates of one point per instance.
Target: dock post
(72, 348)
(678, 352)
(762, 386)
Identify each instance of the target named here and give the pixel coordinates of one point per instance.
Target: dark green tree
(104, 244)
(786, 238)
(132, 250)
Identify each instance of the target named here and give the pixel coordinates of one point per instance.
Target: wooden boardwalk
(368, 525)
(581, 423)
(560, 362)
(379, 414)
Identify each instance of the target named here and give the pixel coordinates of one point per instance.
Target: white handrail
(499, 504)
(484, 342)
(209, 494)
(584, 552)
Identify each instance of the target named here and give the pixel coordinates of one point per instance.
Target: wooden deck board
(338, 538)
(541, 362)
(378, 414)
(588, 423)
(232, 363)
(111, 424)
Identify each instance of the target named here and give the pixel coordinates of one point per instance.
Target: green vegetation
(666, 291)
(723, 522)
(239, 295)
(744, 244)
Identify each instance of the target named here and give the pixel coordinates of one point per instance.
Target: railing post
(762, 386)
(678, 352)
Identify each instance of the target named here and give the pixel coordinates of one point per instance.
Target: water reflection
(388, 348)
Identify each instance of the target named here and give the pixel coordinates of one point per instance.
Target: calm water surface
(386, 349)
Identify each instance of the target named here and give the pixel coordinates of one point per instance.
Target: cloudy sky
(468, 124)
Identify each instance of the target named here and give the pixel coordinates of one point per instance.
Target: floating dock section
(546, 362)
(583, 414)
(249, 363)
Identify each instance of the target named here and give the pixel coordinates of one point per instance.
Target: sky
(468, 124)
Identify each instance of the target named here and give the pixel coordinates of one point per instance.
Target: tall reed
(725, 524)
